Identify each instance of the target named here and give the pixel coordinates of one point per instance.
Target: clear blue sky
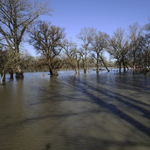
(104, 15)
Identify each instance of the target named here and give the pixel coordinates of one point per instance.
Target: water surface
(75, 112)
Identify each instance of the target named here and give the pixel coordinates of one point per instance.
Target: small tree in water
(47, 40)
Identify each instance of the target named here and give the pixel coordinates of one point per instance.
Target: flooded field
(76, 112)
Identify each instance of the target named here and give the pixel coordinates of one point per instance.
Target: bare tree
(15, 18)
(47, 40)
(143, 51)
(71, 52)
(146, 45)
(118, 48)
(74, 55)
(86, 36)
(99, 43)
(135, 32)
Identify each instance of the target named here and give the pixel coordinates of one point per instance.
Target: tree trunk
(3, 78)
(104, 64)
(78, 67)
(85, 62)
(134, 62)
(75, 70)
(78, 71)
(119, 67)
(97, 64)
(52, 71)
(11, 73)
(84, 66)
(124, 67)
(19, 72)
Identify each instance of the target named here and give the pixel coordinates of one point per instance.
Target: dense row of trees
(17, 18)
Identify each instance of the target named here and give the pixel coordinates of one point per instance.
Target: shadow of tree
(113, 108)
(94, 90)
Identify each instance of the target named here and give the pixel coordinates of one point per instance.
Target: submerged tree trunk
(84, 70)
(124, 67)
(2, 80)
(19, 72)
(134, 62)
(119, 67)
(97, 70)
(78, 65)
(85, 62)
(104, 64)
(97, 64)
(75, 65)
(11, 73)
(84, 66)
(75, 70)
(78, 71)
(3, 77)
(52, 71)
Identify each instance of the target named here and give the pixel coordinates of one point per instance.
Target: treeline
(19, 18)
(129, 49)
(38, 64)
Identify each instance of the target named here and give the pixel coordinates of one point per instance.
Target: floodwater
(75, 112)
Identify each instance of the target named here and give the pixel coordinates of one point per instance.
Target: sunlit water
(75, 112)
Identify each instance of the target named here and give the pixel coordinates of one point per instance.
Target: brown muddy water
(75, 112)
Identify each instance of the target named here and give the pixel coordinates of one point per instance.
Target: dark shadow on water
(34, 119)
(83, 86)
(117, 97)
(114, 109)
